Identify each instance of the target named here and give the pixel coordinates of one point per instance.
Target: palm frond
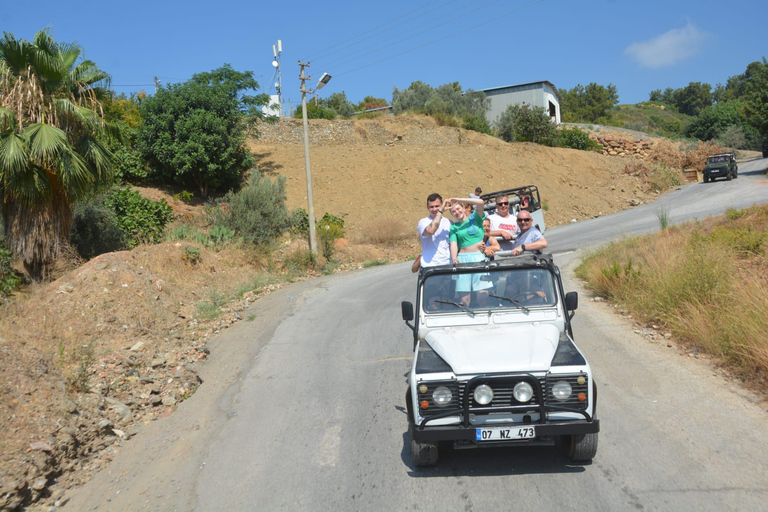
(29, 187)
(7, 120)
(14, 52)
(14, 155)
(98, 155)
(74, 173)
(46, 142)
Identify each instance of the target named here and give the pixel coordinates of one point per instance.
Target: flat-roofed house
(536, 94)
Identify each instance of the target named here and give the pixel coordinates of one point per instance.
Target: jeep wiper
(513, 301)
(460, 306)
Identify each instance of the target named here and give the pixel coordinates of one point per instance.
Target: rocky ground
(116, 342)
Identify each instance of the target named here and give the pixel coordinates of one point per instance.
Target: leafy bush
(96, 230)
(315, 112)
(576, 138)
(129, 165)
(329, 229)
(194, 133)
(299, 261)
(257, 212)
(221, 235)
(10, 279)
(141, 219)
(522, 123)
(299, 221)
(444, 119)
(184, 196)
(191, 254)
(476, 123)
(446, 99)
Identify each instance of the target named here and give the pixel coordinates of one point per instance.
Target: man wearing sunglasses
(503, 224)
(530, 238)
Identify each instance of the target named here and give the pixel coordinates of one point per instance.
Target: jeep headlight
(561, 390)
(483, 394)
(523, 392)
(442, 396)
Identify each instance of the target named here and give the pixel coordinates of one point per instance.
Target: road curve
(302, 409)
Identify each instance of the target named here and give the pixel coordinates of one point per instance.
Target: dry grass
(679, 155)
(707, 282)
(384, 231)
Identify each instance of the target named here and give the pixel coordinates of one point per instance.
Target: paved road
(302, 409)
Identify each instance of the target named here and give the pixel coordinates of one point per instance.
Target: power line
(336, 62)
(368, 31)
(442, 38)
(374, 32)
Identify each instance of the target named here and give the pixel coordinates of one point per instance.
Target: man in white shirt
(504, 224)
(433, 233)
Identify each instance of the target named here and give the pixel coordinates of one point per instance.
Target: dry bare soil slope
(384, 168)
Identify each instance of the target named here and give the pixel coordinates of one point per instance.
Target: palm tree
(50, 118)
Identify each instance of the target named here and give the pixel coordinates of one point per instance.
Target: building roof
(516, 86)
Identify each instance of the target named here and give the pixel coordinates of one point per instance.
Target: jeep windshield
(718, 159)
(493, 289)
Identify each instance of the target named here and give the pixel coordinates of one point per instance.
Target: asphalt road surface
(302, 409)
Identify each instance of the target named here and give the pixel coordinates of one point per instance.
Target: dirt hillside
(384, 168)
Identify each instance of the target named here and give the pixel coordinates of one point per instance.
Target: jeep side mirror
(572, 301)
(407, 309)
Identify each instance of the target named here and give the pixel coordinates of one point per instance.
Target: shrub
(257, 212)
(141, 219)
(221, 235)
(526, 124)
(299, 261)
(329, 229)
(191, 254)
(96, 230)
(444, 119)
(576, 138)
(10, 279)
(476, 124)
(184, 196)
(299, 221)
(128, 164)
(384, 231)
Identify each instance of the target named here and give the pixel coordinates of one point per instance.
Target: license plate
(504, 433)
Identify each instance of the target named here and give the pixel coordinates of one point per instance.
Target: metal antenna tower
(277, 50)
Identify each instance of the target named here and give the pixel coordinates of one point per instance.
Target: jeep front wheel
(424, 454)
(581, 447)
(706, 179)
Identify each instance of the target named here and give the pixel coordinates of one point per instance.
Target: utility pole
(310, 201)
(157, 84)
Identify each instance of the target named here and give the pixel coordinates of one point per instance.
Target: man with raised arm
(433, 233)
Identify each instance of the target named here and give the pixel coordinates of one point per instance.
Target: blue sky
(371, 47)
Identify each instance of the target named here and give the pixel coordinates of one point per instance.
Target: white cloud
(669, 48)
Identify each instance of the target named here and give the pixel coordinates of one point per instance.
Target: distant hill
(653, 118)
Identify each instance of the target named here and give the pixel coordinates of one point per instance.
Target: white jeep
(497, 365)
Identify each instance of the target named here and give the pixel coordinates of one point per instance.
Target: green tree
(447, 99)
(693, 98)
(590, 104)
(194, 133)
(369, 102)
(755, 96)
(714, 120)
(51, 152)
(522, 123)
(340, 104)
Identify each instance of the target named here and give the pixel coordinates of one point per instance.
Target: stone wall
(618, 146)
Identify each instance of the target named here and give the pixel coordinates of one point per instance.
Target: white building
(536, 94)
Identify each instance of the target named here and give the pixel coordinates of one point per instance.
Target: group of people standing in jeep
(473, 236)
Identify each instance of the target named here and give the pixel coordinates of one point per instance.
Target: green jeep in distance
(721, 166)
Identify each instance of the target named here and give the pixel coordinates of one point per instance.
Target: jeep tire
(729, 176)
(706, 179)
(581, 447)
(424, 454)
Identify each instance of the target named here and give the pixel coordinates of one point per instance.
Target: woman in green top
(466, 238)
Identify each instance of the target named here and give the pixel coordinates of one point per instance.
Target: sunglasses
(524, 220)
(502, 204)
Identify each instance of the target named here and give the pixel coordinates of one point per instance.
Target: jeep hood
(519, 348)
